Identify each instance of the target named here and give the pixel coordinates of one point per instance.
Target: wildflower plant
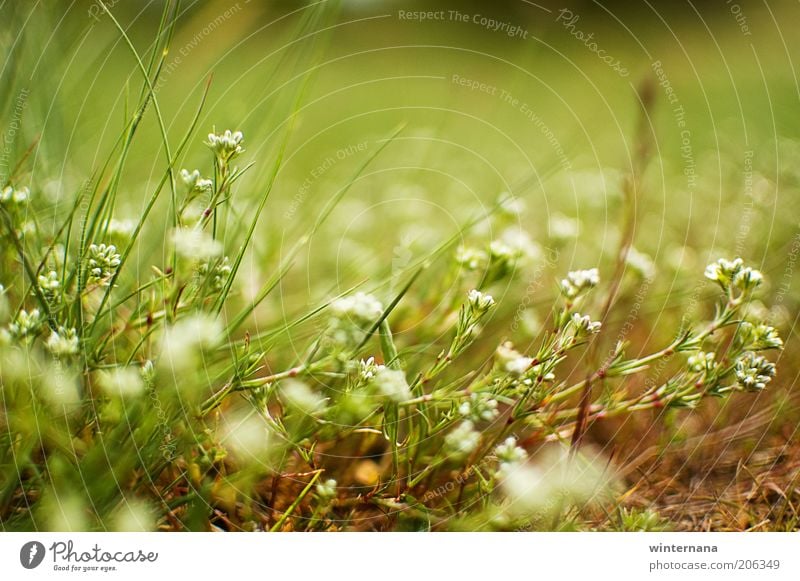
(231, 401)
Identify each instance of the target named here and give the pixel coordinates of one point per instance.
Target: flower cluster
(50, 285)
(479, 407)
(509, 455)
(193, 184)
(754, 372)
(701, 362)
(579, 282)
(352, 317)
(226, 145)
(368, 369)
(63, 342)
(733, 275)
(392, 384)
(462, 441)
(758, 337)
(512, 361)
(583, 326)
(27, 324)
(103, 262)
(215, 273)
(14, 197)
(479, 302)
(513, 248)
(327, 490)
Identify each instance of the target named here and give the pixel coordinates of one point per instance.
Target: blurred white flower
(299, 395)
(392, 383)
(462, 440)
(122, 381)
(563, 228)
(63, 342)
(641, 264)
(186, 339)
(195, 245)
(479, 407)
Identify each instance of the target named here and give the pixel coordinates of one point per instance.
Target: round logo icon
(31, 554)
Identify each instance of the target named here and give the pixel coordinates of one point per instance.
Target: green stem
(277, 526)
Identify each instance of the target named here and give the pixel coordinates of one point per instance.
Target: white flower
(392, 383)
(641, 264)
(722, 271)
(49, 284)
(579, 282)
(479, 302)
(195, 245)
(748, 279)
(122, 381)
(510, 205)
(352, 317)
(327, 489)
(701, 361)
(556, 479)
(183, 341)
(18, 197)
(508, 452)
(514, 246)
(367, 369)
(63, 342)
(563, 228)
(121, 230)
(362, 307)
(511, 360)
(584, 326)
(727, 273)
(193, 184)
(26, 324)
(753, 371)
(479, 407)
(302, 397)
(471, 258)
(226, 145)
(247, 436)
(518, 366)
(103, 263)
(462, 441)
(510, 456)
